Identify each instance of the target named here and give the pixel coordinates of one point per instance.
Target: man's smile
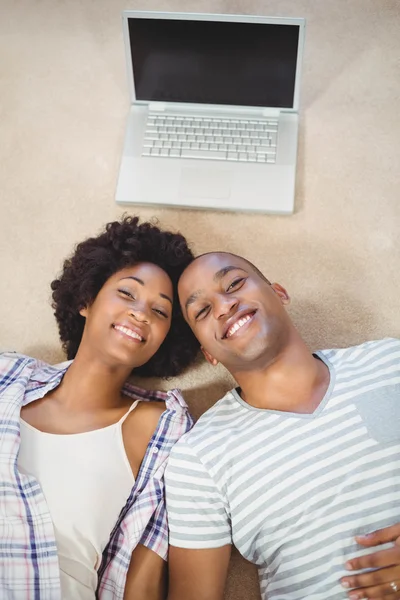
(236, 323)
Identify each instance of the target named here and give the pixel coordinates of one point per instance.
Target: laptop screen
(214, 62)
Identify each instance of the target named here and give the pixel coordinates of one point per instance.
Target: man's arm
(199, 524)
(147, 576)
(198, 574)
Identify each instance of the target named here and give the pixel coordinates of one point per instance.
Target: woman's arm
(147, 576)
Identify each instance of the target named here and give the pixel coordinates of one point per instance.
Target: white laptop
(213, 121)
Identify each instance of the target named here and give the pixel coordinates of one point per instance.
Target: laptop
(213, 120)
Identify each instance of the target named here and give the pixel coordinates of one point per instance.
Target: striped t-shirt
(292, 490)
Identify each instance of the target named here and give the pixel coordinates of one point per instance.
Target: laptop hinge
(271, 112)
(157, 107)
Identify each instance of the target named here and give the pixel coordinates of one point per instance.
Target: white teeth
(237, 325)
(129, 332)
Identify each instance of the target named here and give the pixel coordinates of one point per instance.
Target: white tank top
(86, 479)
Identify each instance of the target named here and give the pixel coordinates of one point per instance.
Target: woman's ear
(213, 361)
(84, 312)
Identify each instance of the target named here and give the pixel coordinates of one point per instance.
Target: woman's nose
(140, 312)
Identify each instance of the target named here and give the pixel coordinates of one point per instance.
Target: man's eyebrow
(192, 298)
(222, 272)
(217, 277)
(142, 283)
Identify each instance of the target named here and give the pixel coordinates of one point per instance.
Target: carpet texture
(63, 105)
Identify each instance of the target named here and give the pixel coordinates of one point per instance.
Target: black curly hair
(95, 260)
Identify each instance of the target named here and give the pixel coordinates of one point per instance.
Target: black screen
(244, 64)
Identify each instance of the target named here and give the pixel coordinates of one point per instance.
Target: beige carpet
(63, 104)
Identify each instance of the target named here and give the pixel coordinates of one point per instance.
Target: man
(293, 464)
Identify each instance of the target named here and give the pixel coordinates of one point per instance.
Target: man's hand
(384, 581)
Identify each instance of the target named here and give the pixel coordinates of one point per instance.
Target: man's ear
(213, 361)
(281, 292)
(84, 312)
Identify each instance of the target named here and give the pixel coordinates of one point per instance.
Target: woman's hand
(384, 581)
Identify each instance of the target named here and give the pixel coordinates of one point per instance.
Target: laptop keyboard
(244, 140)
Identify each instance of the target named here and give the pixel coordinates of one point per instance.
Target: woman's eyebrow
(142, 283)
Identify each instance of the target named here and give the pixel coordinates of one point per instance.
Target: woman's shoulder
(150, 412)
(11, 362)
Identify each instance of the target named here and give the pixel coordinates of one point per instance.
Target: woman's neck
(90, 384)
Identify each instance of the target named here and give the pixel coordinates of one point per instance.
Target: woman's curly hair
(122, 244)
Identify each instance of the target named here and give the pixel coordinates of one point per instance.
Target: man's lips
(130, 332)
(237, 322)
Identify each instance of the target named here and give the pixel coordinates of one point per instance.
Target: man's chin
(254, 357)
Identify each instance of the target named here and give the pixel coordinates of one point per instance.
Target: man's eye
(126, 293)
(202, 313)
(236, 284)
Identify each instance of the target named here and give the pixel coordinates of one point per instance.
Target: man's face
(237, 316)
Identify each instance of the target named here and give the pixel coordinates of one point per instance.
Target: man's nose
(225, 306)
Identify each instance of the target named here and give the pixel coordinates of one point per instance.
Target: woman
(82, 452)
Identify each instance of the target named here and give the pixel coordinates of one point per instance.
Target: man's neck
(296, 381)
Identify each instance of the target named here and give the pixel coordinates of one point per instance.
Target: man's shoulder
(211, 425)
(373, 349)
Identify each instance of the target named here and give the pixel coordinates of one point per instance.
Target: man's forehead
(207, 270)
(212, 262)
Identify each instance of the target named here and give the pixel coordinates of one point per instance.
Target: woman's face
(130, 316)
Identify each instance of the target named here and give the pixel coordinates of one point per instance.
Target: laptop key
(203, 155)
(265, 150)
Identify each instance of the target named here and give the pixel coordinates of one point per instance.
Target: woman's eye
(236, 284)
(161, 312)
(202, 313)
(126, 293)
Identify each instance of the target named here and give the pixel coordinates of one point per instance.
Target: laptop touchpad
(200, 182)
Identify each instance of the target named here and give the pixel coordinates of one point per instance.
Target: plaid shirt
(29, 567)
